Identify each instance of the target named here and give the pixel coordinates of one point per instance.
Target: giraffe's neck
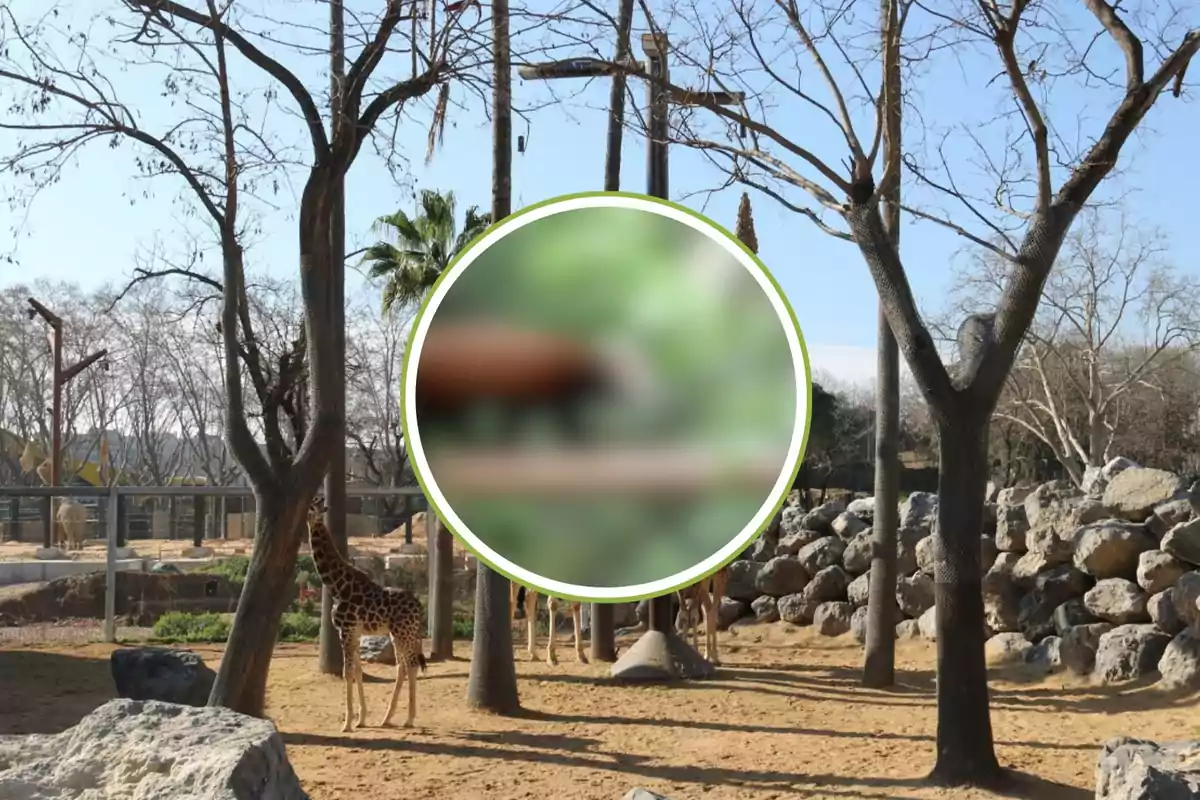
(329, 562)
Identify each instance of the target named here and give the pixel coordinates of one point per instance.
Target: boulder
(828, 584)
(1001, 602)
(1129, 652)
(856, 558)
(1134, 492)
(919, 510)
(762, 550)
(1183, 542)
(1158, 570)
(833, 619)
(377, 650)
(915, 595)
(790, 544)
(1027, 567)
(906, 549)
(781, 575)
(1110, 549)
(858, 625)
(150, 750)
(926, 556)
(797, 609)
(1186, 596)
(1061, 583)
(1007, 648)
(821, 518)
(1011, 527)
(846, 526)
(1046, 655)
(824, 552)
(1039, 503)
(1118, 601)
(1079, 644)
(1161, 608)
(1180, 662)
(1012, 495)
(1072, 613)
(730, 612)
(790, 518)
(765, 609)
(638, 793)
(927, 625)
(1049, 545)
(742, 575)
(863, 508)
(1136, 769)
(859, 590)
(908, 629)
(1167, 515)
(161, 673)
(1035, 616)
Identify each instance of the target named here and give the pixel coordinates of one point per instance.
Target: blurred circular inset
(606, 397)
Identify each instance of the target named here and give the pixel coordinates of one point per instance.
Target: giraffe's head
(316, 513)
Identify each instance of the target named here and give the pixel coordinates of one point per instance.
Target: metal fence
(138, 550)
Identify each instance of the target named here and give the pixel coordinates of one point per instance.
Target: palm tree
(425, 246)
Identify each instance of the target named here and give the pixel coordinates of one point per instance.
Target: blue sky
(82, 229)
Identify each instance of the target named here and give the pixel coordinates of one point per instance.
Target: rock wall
(1104, 582)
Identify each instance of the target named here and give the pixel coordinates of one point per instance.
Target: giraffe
(362, 606)
(705, 596)
(531, 598)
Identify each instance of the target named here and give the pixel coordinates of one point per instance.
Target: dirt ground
(785, 718)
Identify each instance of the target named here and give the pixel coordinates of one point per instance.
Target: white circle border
(606, 593)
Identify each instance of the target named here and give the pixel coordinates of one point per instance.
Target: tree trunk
(441, 598)
(492, 684)
(199, 516)
(965, 750)
(241, 682)
(879, 665)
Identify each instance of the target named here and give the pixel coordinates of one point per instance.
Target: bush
(464, 628)
(178, 626)
(299, 627)
(234, 568)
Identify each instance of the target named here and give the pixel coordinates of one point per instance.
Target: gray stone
(1013, 495)
(906, 549)
(1025, 571)
(730, 612)
(1079, 644)
(927, 625)
(858, 591)
(908, 629)
(1180, 662)
(1093, 482)
(1046, 655)
(781, 575)
(1071, 613)
(377, 650)
(856, 558)
(1167, 515)
(858, 625)
(638, 793)
(1001, 602)
(161, 673)
(1035, 617)
(797, 609)
(1134, 492)
(742, 575)
(762, 550)
(846, 526)
(1186, 596)
(863, 508)
(828, 584)
(833, 619)
(790, 544)
(1039, 503)
(1161, 608)
(1129, 652)
(821, 518)
(919, 510)
(1111, 549)
(1136, 769)
(790, 519)
(1046, 543)
(1183, 542)
(988, 552)
(1158, 570)
(765, 609)
(926, 556)
(1011, 528)
(1007, 648)
(150, 750)
(915, 595)
(824, 552)
(1061, 583)
(1118, 601)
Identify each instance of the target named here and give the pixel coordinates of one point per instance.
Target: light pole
(660, 655)
(61, 377)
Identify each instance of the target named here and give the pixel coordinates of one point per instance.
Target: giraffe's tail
(421, 661)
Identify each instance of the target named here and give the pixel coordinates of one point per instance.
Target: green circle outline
(416, 322)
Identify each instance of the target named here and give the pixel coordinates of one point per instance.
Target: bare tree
(1113, 316)
(1039, 181)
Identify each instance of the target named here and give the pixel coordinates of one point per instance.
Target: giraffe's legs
(358, 679)
(531, 599)
(412, 695)
(552, 608)
(577, 617)
(349, 640)
(401, 671)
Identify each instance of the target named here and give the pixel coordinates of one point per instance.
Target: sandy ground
(785, 718)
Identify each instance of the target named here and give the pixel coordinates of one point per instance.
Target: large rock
(1136, 769)
(1013, 495)
(742, 575)
(1180, 662)
(919, 510)
(906, 549)
(377, 650)
(1133, 493)
(781, 575)
(821, 518)
(1079, 644)
(915, 595)
(828, 584)
(1049, 545)
(730, 612)
(846, 526)
(1186, 597)
(1158, 570)
(638, 793)
(791, 544)
(926, 557)
(1072, 613)
(1028, 567)
(1046, 655)
(858, 625)
(1061, 583)
(863, 508)
(856, 558)
(765, 609)
(927, 625)
(1161, 608)
(1007, 648)
(790, 519)
(161, 673)
(1001, 602)
(1035, 616)
(151, 751)
(1111, 549)
(824, 552)
(1011, 527)
(1040, 503)
(1183, 542)
(858, 592)
(1118, 601)
(908, 629)
(833, 619)
(1167, 515)
(1129, 652)
(797, 609)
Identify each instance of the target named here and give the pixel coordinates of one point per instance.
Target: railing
(115, 494)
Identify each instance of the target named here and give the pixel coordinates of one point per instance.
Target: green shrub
(299, 627)
(464, 628)
(233, 569)
(178, 626)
